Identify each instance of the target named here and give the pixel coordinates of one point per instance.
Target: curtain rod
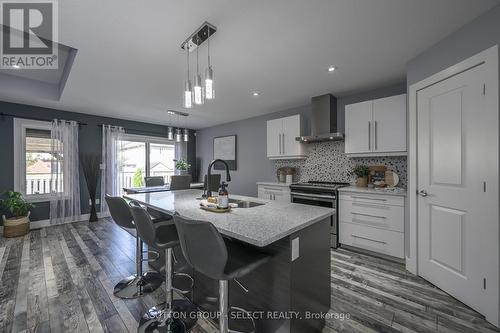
(2, 115)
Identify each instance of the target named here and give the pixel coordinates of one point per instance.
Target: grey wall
(477, 36)
(253, 164)
(89, 141)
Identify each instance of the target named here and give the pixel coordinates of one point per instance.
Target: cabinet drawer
(372, 214)
(379, 199)
(372, 239)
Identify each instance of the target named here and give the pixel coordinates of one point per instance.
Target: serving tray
(216, 210)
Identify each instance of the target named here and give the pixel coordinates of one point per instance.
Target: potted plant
(18, 211)
(182, 166)
(361, 171)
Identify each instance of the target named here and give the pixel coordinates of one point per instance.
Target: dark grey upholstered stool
(140, 283)
(180, 182)
(206, 251)
(162, 318)
(154, 181)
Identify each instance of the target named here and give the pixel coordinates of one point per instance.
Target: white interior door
(458, 170)
(359, 128)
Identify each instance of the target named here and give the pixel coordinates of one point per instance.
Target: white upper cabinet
(281, 138)
(377, 127)
(358, 123)
(389, 116)
(274, 129)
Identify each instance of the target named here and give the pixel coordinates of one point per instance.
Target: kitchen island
(291, 293)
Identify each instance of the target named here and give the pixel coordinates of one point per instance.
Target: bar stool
(162, 318)
(205, 250)
(140, 283)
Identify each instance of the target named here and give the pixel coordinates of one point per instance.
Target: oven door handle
(312, 196)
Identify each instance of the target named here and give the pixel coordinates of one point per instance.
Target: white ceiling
(130, 65)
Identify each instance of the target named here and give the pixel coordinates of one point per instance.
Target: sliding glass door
(143, 156)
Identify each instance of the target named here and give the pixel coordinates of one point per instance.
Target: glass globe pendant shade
(209, 83)
(199, 91)
(188, 95)
(178, 135)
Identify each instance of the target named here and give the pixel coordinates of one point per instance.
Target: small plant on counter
(361, 171)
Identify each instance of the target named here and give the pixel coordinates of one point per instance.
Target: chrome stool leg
(223, 308)
(167, 317)
(223, 300)
(138, 284)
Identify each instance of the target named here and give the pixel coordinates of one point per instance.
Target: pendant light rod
(208, 47)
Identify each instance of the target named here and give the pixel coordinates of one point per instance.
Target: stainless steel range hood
(323, 120)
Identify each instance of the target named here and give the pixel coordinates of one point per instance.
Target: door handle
(375, 135)
(423, 193)
(369, 135)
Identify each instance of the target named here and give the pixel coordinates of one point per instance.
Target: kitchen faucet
(209, 173)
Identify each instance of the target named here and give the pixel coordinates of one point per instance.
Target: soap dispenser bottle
(223, 201)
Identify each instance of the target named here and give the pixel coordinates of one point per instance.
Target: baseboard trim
(46, 223)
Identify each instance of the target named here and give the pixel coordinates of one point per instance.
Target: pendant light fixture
(188, 89)
(202, 89)
(209, 75)
(199, 96)
(186, 135)
(170, 133)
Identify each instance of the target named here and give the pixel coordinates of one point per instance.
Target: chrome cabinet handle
(366, 198)
(279, 143)
(369, 135)
(375, 134)
(370, 239)
(423, 193)
(368, 215)
(283, 142)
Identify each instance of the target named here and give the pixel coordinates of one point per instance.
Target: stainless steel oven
(319, 194)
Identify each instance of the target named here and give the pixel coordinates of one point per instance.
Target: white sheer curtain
(111, 175)
(65, 172)
(180, 152)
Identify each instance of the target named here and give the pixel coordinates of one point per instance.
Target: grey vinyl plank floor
(61, 278)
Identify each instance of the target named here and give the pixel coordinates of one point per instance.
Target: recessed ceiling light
(332, 68)
(256, 93)
(15, 66)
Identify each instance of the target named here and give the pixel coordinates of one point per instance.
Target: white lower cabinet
(274, 192)
(373, 222)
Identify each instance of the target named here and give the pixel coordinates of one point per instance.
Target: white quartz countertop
(259, 226)
(397, 191)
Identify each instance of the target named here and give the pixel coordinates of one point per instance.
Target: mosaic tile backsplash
(326, 161)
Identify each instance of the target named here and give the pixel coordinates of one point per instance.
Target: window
(33, 160)
(143, 156)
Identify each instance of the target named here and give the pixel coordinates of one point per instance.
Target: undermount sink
(245, 204)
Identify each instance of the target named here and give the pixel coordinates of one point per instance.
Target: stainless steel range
(322, 194)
